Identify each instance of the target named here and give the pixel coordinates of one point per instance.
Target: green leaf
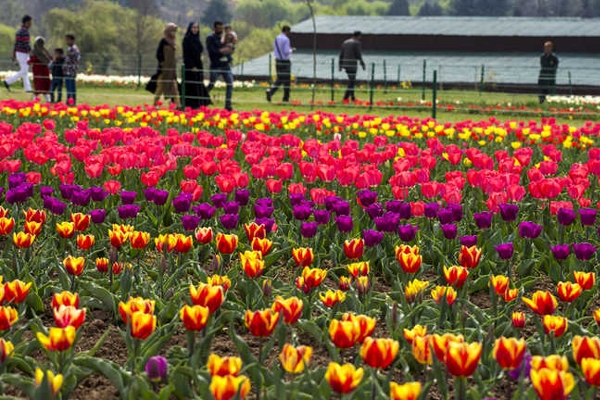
(110, 370)
(108, 299)
(181, 379)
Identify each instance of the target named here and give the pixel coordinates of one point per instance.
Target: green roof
(517, 68)
(453, 26)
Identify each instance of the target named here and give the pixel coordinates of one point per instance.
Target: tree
(430, 10)
(496, 8)
(217, 10)
(145, 10)
(399, 7)
(464, 7)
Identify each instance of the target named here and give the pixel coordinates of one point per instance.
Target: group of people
(220, 45)
(63, 66)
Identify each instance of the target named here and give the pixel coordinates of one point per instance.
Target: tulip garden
(160, 254)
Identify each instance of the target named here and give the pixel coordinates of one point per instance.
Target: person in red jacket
(40, 60)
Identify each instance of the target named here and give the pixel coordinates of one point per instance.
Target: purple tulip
(445, 216)
(128, 196)
(449, 230)
(204, 210)
(407, 232)
(98, 216)
(19, 194)
(584, 251)
(182, 203)
(81, 197)
(367, 197)
(156, 368)
(374, 210)
(190, 222)
(263, 210)
(128, 211)
(341, 207)
(329, 202)
(98, 193)
(55, 206)
(264, 201)
(399, 207)
(16, 179)
(505, 250)
(372, 237)
(302, 211)
(560, 251)
(308, 229)
(344, 223)
(388, 222)
(218, 199)
(529, 230)
(160, 197)
(67, 190)
(457, 211)
(321, 216)
(509, 212)
(231, 207)
(587, 216)
(523, 370)
(267, 222)
(431, 210)
(149, 194)
(566, 216)
(468, 241)
(242, 197)
(483, 220)
(229, 221)
(296, 199)
(45, 191)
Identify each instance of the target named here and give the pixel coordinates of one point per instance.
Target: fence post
(424, 79)
(372, 86)
(270, 68)
(434, 95)
(182, 86)
(481, 79)
(139, 69)
(570, 85)
(332, 78)
(398, 77)
(385, 82)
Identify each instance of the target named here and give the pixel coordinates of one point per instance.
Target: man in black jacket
(548, 67)
(219, 62)
(350, 56)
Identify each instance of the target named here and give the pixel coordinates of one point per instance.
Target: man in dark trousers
(350, 56)
(21, 55)
(219, 54)
(282, 49)
(548, 67)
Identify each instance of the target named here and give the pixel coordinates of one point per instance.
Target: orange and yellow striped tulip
(290, 308)
(366, 325)
(344, 334)
(65, 229)
(441, 343)
(590, 367)
(203, 235)
(585, 347)
(330, 298)
(8, 316)
(552, 361)
(135, 304)
(421, 349)
(417, 330)
(444, 292)
(222, 366)
(252, 263)
(58, 339)
(6, 350)
(456, 275)
(142, 324)
(65, 298)
(183, 243)
(32, 227)
(303, 256)
(229, 387)
(568, 292)
(343, 378)
(462, 358)
(194, 318)
(555, 325)
(68, 316)
(379, 353)
(254, 230)
(360, 268)
(35, 215)
(84, 242)
(80, 221)
(6, 226)
(207, 295)
(23, 240)
(414, 288)
(509, 352)
(518, 319)
(226, 243)
(586, 280)
(354, 248)
(500, 283)
(74, 265)
(469, 257)
(409, 258)
(407, 391)
(261, 323)
(542, 302)
(262, 245)
(219, 280)
(16, 291)
(295, 359)
(54, 381)
(139, 240)
(117, 237)
(551, 384)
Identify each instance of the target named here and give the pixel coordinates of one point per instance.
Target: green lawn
(254, 98)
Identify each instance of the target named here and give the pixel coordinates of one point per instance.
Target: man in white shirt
(282, 49)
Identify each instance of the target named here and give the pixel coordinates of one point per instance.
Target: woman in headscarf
(40, 58)
(167, 78)
(194, 91)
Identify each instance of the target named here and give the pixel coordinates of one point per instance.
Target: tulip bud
(156, 368)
